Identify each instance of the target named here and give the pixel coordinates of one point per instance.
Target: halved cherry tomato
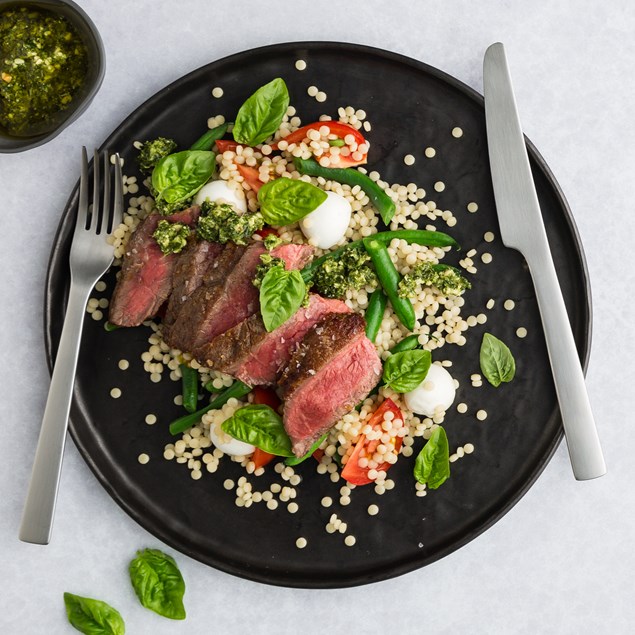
(251, 176)
(318, 454)
(261, 458)
(266, 231)
(352, 472)
(226, 144)
(336, 127)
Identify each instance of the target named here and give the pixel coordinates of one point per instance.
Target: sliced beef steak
(227, 295)
(256, 357)
(190, 271)
(333, 369)
(145, 281)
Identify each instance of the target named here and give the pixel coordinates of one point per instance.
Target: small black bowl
(96, 69)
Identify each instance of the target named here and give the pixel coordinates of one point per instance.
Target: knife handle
(579, 427)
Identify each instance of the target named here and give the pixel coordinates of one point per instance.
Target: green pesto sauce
(152, 152)
(43, 66)
(171, 237)
(445, 278)
(334, 277)
(267, 261)
(220, 223)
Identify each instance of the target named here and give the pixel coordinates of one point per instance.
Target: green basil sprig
(497, 362)
(261, 426)
(294, 460)
(93, 617)
(284, 201)
(281, 295)
(432, 466)
(405, 371)
(260, 116)
(179, 176)
(158, 583)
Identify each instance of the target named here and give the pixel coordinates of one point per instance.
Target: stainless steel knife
(522, 228)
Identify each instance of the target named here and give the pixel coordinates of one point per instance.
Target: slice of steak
(191, 267)
(145, 280)
(248, 352)
(227, 295)
(334, 368)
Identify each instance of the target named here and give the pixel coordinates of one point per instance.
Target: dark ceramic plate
(411, 106)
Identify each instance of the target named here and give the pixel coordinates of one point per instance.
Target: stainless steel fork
(90, 258)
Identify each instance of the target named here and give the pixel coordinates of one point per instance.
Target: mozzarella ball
(228, 444)
(221, 192)
(435, 393)
(326, 225)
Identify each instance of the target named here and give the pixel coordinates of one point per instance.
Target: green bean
(406, 344)
(417, 236)
(109, 327)
(375, 313)
(236, 390)
(189, 387)
(206, 141)
(389, 279)
(384, 204)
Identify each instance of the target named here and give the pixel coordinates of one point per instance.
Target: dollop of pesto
(151, 152)
(171, 237)
(272, 241)
(43, 67)
(334, 277)
(221, 223)
(267, 261)
(447, 279)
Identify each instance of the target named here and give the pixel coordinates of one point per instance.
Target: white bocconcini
(228, 444)
(435, 393)
(326, 225)
(221, 192)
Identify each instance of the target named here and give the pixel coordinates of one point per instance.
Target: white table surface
(562, 561)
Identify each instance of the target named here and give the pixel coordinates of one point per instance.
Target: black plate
(411, 106)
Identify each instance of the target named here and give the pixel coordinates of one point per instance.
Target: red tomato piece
(261, 458)
(266, 231)
(266, 396)
(251, 176)
(352, 472)
(226, 144)
(336, 127)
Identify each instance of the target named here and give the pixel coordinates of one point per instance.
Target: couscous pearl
(321, 97)
(100, 286)
(481, 415)
(472, 207)
(300, 65)
(123, 364)
(217, 92)
(312, 91)
(461, 408)
(301, 543)
(488, 237)
(151, 419)
(509, 305)
(409, 159)
(521, 332)
(373, 510)
(272, 504)
(468, 448)
(457, 132)
(327, 501)
(115, 393)
(486, 258)
(349, 541)
(490, 304)
(430, 152)
(143, 458)
(97, 315)
(439, 186)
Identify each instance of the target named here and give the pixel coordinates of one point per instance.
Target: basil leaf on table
(497, 362)
(432, 466)
(284, 201)
(260, 116)
(405, 371)
(93, 617)
(158, 583)
(179, 176)
(261, 426)
(281, 295)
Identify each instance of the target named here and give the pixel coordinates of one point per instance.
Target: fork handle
(39, 509)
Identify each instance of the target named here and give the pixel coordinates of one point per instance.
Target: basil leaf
(284, 201)
(281, 295)
(432, 466)
(158, 583)
(260, 116)
(261, 426)
(179, 176)
(405, 371)
(93, 617)
(497, 362)
(294, 460)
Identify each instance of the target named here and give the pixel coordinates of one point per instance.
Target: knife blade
(522, 228)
